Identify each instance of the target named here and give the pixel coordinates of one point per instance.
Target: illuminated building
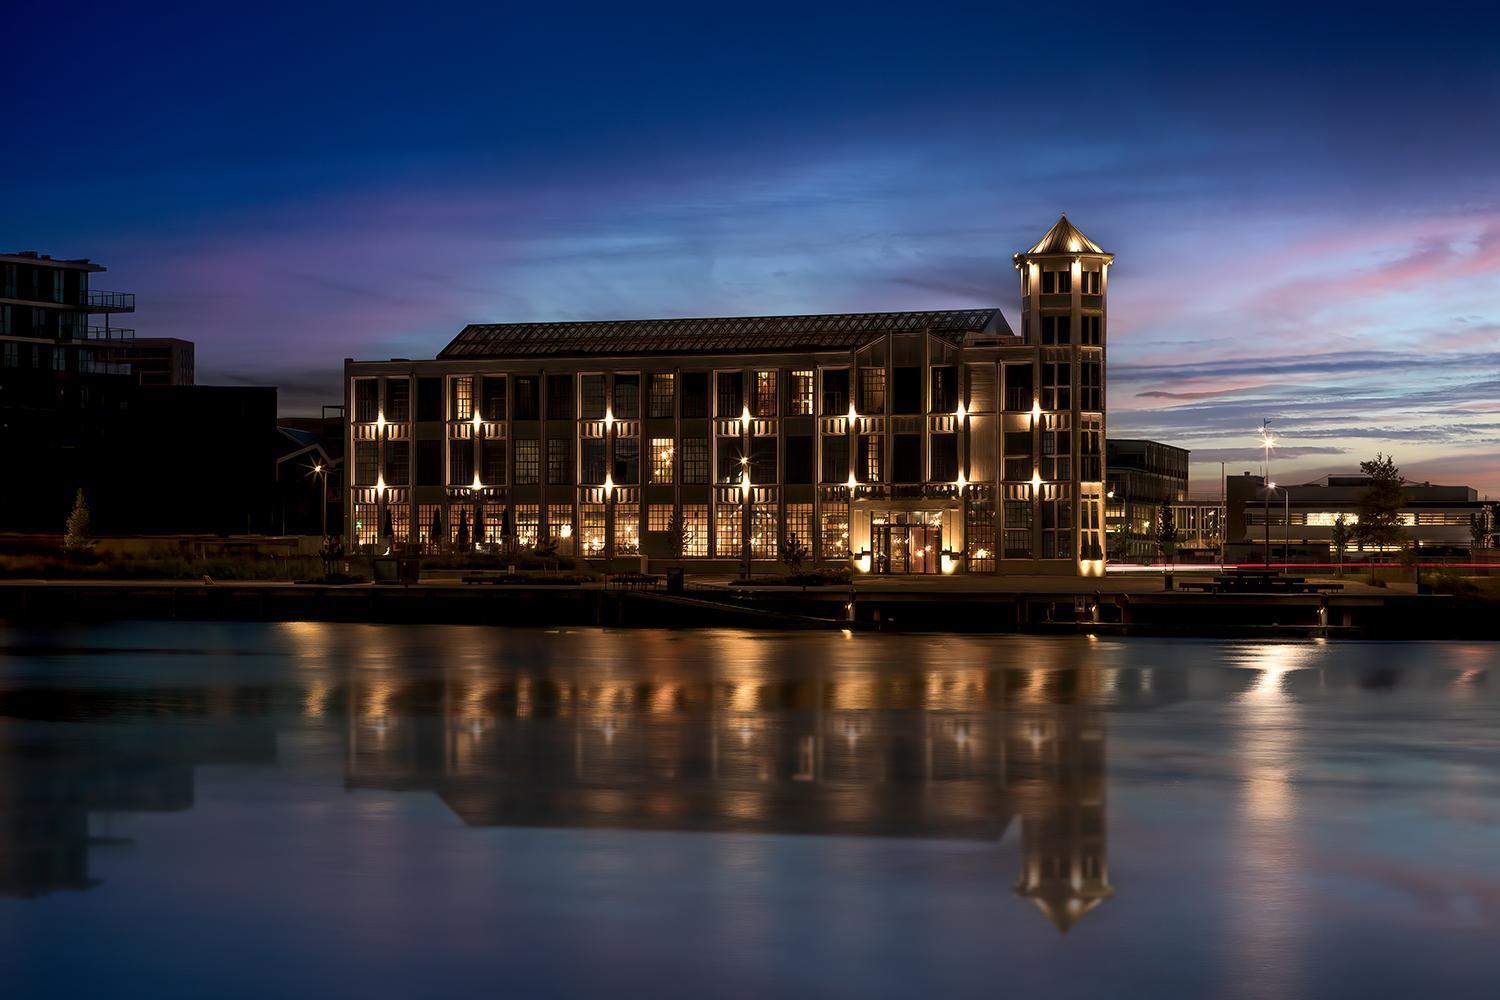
(1141, 476)
(1301, 517)
(907, 442)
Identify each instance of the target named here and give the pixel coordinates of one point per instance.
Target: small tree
(1121, 539)
(1381, 502)
(76, 540)
(1340, 537)
(676, 536)
(1166, 539)
(793, 553)
(1479, 530)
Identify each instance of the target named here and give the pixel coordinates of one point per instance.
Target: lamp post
(745, 513)
(321, 472)
(1267, 439)
(1266, 495)
(1286, 525)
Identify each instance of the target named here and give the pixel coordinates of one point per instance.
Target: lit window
(661, 460)
(659, 517)
(663, 395)
(463, 398)
(695, 530)
(765, 394)
(801, 402)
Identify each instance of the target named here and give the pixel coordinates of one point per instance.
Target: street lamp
(1266, 514)
(320, 471)
(1267, 441)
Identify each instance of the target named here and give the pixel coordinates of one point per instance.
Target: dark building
(156, 361)
(1142, 475)
(905, 442)
(73, 415)
(1296, 522)
(310, 474)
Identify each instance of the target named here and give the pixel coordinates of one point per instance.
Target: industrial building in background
(904, 443)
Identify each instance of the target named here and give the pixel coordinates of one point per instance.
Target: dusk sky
(1304, 203)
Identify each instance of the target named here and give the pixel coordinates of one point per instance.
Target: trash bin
(674, 580)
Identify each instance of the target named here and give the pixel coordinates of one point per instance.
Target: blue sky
(1304, 200)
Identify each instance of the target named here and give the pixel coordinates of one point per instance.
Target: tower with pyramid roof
(1064, 292)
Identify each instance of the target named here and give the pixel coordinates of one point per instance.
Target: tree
(1121, 539)
(1166, 532)
(676, 536)
(76, 540)
(1479, 529)
(1381, 502)
(1340, 537)
(793, 553)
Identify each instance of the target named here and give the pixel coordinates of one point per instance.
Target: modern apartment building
(908, 442)
(1141, 476)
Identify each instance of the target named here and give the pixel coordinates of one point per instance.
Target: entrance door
(901, 548)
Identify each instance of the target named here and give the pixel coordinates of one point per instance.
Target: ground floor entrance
(906, 541)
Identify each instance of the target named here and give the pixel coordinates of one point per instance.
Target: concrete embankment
(1096, 611)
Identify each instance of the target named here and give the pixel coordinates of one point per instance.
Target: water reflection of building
(936, 753)
(74, 759)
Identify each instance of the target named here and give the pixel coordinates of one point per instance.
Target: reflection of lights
(566, 531)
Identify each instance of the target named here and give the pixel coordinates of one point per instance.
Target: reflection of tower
(1057, 773)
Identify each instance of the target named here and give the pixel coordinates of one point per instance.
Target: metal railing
(99, 333)
(109, 300)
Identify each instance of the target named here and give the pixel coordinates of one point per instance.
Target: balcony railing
(98, 333)
(111, 301)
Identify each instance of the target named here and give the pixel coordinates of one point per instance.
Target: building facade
(915, 442)
(1143, 475)
(1296, 522)
(156, 361)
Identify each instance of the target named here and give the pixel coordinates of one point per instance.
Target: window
(366, 463)
(945, 388)
(907, 390)
(398, 463)
(906, 458)
(1090, 451)
(663, 402)
(944, 458)
(765, 394)
(659, 517)
(799, 524)
(727, 530)
(398, 400)
(591, 524)
(979, 537)
(492, 397)
(528, 405)
(593, 461)
(429, 463)
(1018, 529)
(627, 404)
(834, 540)
(871, 457)
(763, 460)
(366, 523)
(429, 399)
(492, 461)
(627, 464)
(835, 392)
(460, 462)
(695, 461)
(1057, 448)
(528, 461)
(872, 390)
(1091, 385)
(59, 359)
(627, 529)
(559, 397)
(366, 400)
(12, 354)
(560, 523)
(1020, 390)
(430, 532)
(695, 530)
(763, 540)
(835, 459)
(1057, 282)
(1056, 329)
(1090, 326)
(1057, 526)
(730, 465)
(694, 395)
(662, 454)
(1057, 392)
(592, 397)
(799, 459)
(461, 402)
(1091, 282)
(559, 461)
(731, 394)
(800, 399)
(528, 524)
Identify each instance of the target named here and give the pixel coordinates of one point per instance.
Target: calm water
(192, 810)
